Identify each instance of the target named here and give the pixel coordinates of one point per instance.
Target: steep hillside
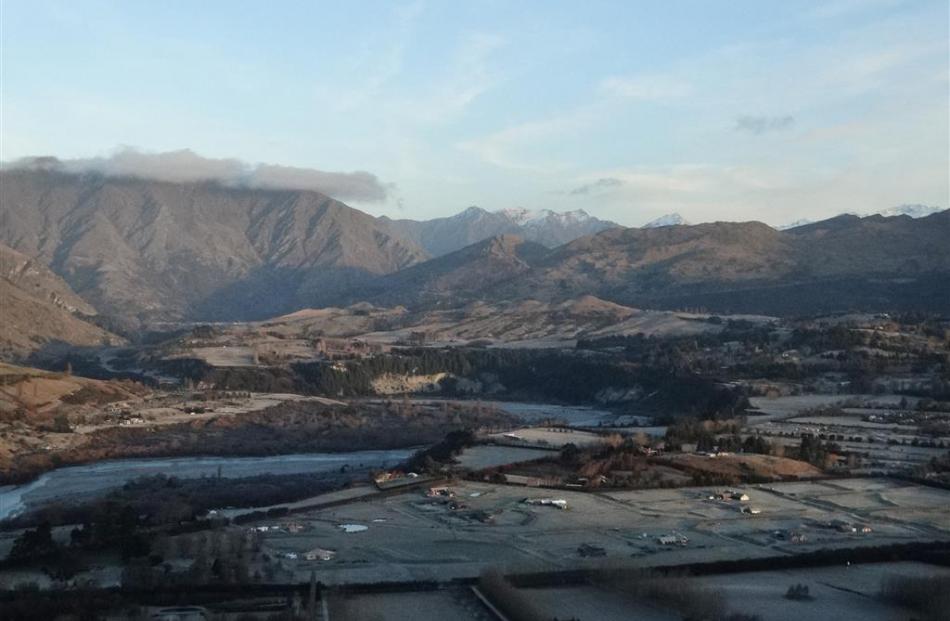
(874, 245)
(846, 263)
(626, 262)
(37, 307)
(458, 277)
(38, 391)
(441, 236)
(548, 228)
(154, 250)
(146, 251)
(38, 281)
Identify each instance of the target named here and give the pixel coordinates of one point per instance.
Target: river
(90, 479)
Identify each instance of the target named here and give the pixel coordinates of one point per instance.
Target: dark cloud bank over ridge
(186, 165)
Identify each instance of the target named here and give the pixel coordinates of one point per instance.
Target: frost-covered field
(487, 456)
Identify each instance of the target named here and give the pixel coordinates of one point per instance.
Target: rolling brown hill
(845, 263)
(148, 250)
(38, 308)
(872, 263)
(143, 251)
(456, 278)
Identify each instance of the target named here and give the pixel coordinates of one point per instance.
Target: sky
(717, 110)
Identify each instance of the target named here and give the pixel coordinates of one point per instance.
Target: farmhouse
(560, 503)
(319, 554)
(672, 539)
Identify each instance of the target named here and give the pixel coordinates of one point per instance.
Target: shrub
(929, 595)
(798, 592)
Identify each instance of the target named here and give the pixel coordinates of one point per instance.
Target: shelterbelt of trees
(574, 377)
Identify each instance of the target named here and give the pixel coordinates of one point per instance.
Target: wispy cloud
(652, 87)
(709, 192)
(187, 166)
(761, 124)
(505, 148)
(470, 75)
(839, 8)
(379, 63)
(604, 184)
(516, 147)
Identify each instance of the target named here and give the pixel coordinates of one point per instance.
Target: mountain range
(670, 219)
(148, 250)
(548, 228)
(142, 252)
(911, 210)
(845, 263)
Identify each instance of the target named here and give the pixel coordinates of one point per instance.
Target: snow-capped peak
(473, 212)
(914, 211)
(524, 217)
(670, 219)
(796, 223)
(519, 215)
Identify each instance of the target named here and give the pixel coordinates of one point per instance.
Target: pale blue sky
(768, 110)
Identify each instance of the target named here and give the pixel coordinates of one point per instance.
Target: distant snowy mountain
(543, 226)
(914, 211)
(670, 219)
(796, 223)
(527, 217)
(521, 216)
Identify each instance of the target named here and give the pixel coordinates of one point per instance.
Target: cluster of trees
(531, 374)
(568, 377)
(673, 591)
(28, 603)
(37, 546)
(751, 444)
(928, 595)
(751, 350)
(816, 452)
(936, 470)
(444, 452)
(148, 543)
(107, 526)
(34, 544)
(708, 435)
(160, 501)
(220, 556)
(515, 603)
(799, 592)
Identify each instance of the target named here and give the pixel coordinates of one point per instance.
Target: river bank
(92, 479)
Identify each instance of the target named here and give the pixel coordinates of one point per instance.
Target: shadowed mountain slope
(147, 250)
(37, 308)
(840, 264)
(455, 278)
(441, 236)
